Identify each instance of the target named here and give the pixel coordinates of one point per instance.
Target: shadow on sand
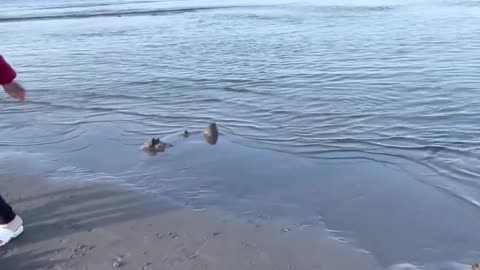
(64, 211)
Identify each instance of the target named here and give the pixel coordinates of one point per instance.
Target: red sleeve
(7, 74)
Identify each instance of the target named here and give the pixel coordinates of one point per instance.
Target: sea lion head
(212, 129)
(211, 134)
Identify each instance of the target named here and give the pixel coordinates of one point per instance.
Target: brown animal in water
(211, 134)
(155, 146)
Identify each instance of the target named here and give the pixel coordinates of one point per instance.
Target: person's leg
(6, 212)
(9, 222)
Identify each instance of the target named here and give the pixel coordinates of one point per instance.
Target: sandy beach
(102, 222)
(95, 226)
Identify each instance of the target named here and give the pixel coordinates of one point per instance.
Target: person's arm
(7, 80)
(7, 74)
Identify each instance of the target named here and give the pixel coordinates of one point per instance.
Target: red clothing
(7, 74)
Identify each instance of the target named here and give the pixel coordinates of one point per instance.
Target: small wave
(105, 34)
(279, 18)
(245, 90)
(89, 5)
(352, 8)
(454, 3)
(120, 13)
(430, 266)
(71, 137)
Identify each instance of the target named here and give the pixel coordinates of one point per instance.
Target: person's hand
(15, 90)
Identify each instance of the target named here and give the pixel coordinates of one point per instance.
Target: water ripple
(117, 13)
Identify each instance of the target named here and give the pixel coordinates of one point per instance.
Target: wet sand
(234, 207)
(104, 226)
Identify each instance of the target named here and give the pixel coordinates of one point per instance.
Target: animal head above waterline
(211, 134)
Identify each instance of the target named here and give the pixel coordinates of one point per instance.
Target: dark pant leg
(6, 212)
